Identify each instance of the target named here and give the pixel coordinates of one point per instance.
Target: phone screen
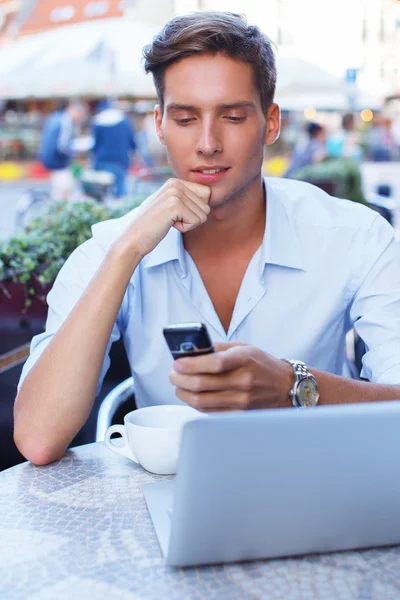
(188, 339)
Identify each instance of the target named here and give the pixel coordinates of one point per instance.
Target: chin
(216, 202)
(219, 207)
(219, 197)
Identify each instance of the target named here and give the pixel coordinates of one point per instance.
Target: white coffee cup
(151, 436)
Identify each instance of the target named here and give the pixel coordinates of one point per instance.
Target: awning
(337, 100)
(301, 85)
(99, 58)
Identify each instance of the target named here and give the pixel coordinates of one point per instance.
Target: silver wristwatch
(305, 390)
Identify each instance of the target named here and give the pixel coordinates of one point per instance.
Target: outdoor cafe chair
(114, 407)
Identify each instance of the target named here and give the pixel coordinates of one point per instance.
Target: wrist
(125, 252)
(287, 380)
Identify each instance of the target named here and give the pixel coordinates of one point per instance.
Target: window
(62, 13)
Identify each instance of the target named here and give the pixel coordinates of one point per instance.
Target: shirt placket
(251, 291)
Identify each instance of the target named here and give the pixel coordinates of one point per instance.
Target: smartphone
(188, 339)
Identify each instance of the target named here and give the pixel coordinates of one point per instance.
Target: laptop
(281, 482)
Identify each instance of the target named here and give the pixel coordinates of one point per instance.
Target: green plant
(345, 173)
(35, 256)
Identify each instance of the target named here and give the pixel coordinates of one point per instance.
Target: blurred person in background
(56, 147)
(346, 142)
(155, 150)
(380, 141)
(114, 144)
(142, 141)
(396, 136)
(338, 170)
(310, 152)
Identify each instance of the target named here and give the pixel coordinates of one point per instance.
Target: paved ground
(9, 196)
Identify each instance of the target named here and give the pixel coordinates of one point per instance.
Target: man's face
(213, 121)
(79, 114)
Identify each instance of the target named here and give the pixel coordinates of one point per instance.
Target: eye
(235, 119)
(184, 121)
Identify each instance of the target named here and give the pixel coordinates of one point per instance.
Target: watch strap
(300, 372)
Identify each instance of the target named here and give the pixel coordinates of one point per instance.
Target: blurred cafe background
(332, 60)
(338, 89)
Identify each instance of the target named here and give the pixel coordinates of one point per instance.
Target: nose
(209, 141)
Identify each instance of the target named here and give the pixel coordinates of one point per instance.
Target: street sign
(351, 76)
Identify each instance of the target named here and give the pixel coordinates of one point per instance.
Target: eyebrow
(191, 108)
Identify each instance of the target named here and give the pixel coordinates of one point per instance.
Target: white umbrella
(297, 75)
(96, 58)
(301, 85)
(336, 100)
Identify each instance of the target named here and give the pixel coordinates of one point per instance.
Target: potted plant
(31, 260)
(29, 263)
(340, 177)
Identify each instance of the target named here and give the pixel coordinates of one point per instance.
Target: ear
(273, 124)
(158, 121)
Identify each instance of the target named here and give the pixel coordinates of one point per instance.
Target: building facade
(25, 17)
(380, 60)
(9, 10)
(47, 14)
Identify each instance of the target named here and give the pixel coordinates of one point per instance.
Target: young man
(275, 269)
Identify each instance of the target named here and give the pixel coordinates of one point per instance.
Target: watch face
(308, 394)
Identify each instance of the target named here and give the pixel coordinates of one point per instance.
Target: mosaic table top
(79, 528)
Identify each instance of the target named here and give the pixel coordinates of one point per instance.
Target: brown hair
(213, 33)
(348, 121)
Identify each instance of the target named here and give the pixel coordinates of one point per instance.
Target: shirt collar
(281, 244)
(170, 248)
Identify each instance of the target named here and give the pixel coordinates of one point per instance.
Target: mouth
(209, 175)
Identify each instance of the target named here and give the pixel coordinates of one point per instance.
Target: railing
(14, 357)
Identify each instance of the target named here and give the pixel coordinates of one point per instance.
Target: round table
(79, 529)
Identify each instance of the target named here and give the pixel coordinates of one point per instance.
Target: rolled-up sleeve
(375, 310)
(71, 282)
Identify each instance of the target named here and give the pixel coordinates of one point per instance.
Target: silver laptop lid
(274, 483)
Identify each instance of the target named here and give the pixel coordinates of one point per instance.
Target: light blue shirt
(324, 266)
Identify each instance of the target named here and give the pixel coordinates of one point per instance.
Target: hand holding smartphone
(188, 339)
